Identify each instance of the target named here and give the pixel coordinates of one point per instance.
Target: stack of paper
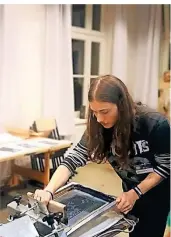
(8, 138)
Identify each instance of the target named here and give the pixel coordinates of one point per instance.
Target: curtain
(22, 64)
(120, 42)
(58, 95)
(35, 67)
(138, 29)
(165, 40)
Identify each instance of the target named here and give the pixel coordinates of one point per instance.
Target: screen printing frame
(111, 201)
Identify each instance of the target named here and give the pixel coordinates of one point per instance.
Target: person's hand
(126, 201)
(42, 196)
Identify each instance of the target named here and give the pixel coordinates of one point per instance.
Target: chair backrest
(47, 124)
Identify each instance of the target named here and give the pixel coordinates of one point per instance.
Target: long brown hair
(110, 89)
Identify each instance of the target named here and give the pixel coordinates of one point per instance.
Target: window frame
(88, 36)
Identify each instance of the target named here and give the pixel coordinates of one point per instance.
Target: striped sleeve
(163, 165)
(161, 144)
(77, 157)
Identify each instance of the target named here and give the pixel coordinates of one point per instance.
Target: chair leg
(47, 169)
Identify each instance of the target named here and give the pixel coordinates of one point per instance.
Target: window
(78, 15)
(95, 51)
(96, 19)
(78, 92)
(78, 56)
(88, 47)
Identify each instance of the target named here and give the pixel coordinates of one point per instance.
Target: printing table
(76, 211)
(26, 147)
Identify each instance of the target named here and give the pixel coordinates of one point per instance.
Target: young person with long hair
(135, 140)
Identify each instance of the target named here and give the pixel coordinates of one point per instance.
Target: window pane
(78, 92)
(96, 17)
(78, 15)
(78, 56)
(95, 51)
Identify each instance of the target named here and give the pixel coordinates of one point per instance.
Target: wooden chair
(49, 127)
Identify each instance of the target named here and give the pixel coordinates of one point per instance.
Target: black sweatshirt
(150, 150)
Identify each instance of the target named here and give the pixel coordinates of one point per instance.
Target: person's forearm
(149, 182)
(59, 178)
